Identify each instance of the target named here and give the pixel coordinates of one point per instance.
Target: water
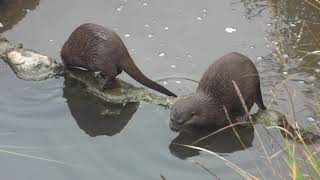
(56, 120)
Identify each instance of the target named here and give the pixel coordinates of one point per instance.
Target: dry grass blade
(7, 133)
(32, 147)
(236, 168)
(282, 129)
(206, 169)
(312, 4)
(233, 129)
(238, 136)
(35, 157)
(219, 130)
(250, 118)
(292, 106)
(277, 153)
(294, 167)
(162, 177)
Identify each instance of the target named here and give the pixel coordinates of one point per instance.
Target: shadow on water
(93, 115)
(225, 141)
(12, 11)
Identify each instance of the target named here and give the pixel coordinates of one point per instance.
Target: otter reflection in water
(12, 11)
(93, 115)
(223, 142)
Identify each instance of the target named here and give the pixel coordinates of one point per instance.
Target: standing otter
(97, 48)
(215, 90)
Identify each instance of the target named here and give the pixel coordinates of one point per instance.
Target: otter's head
(195, 110)
(186, 112)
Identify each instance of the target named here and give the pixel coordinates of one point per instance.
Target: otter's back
(91, 46)
(216, 82)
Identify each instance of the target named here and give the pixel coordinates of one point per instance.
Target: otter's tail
(130, 67)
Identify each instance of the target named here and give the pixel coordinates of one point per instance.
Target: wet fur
(215, 90)
(97, 48)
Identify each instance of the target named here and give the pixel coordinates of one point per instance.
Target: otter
(216, 91)
(99, 49)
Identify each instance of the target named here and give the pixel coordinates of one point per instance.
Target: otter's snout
(175, 125)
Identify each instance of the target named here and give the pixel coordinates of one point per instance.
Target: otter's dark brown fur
(215, 90)
(96, 48)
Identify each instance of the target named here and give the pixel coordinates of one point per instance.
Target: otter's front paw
(106, 84)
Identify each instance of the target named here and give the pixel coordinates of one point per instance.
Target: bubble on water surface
(146, 25)
(230, 29)
(311, 119)
(259, 58)
(161, 54)
(252, 47)
(204, 10)
(173, 66)
(166, 28)
(150, 35)
(115, 28)
(285, 72)
(285, 56)
(269, 24)
(50, 40)
(317, 70)
(199, 18)
(165, 82)
(275, 42)
(145, 4)
(1, 25)
(189, 55)
(127, 35)
(312, 78)
(178, 82)
(120, 8)
(318, 63)
(293, 25)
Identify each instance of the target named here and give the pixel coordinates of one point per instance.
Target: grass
(297, 157)
(300, 157)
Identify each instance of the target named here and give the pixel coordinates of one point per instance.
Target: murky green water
(54, 130)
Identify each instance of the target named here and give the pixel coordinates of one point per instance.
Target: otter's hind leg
(259, 100)
(240, 115)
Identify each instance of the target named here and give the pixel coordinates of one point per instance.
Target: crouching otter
(215, 91)
(96, 48)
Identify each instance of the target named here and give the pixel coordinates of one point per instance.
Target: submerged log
(123, 92)
(30, 65)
